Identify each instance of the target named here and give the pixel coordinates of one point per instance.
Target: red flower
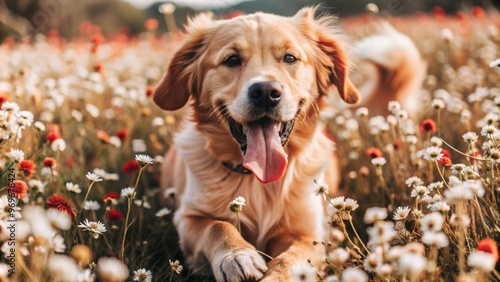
(397, 145)
(428, 125)
(111, 196)
(131, 167)
(98, 68)
(61, 203)
(27, 167)
(115, 215)
(149, 91)
(3, 98)
(54, 133)
(478, 12)
(97, 39)
(70, 162)
(489, 246)
(373, 152)
(18, 189)
(151, 24)
(438, 13)
(122, 134)
(445, 161)
(50, 162)
(446, 153)
(103, 136)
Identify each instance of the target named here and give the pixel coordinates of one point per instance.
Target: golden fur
(388, 68)
(281, 218)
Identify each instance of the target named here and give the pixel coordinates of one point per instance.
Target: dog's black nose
(265, 94)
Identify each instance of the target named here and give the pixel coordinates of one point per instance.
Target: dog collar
(239, 168)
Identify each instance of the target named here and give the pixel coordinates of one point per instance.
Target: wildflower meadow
(82, 143)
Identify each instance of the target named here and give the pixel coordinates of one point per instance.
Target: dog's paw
(239, 265)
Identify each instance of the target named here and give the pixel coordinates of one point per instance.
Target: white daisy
(128, 192)
(378, 162)
(459, 192)
(62, 268)
(302, 272)
(86, 276)
(175, 266)
(91, 205)
(59, 219)
(412, 265)
(470, 137)
(71, 187)
(143, 275)
(381, 233)
(437, 104)
(401, 213)
(441, 207)
(16, 155)
(436, 239)
(58, 145)
(375, 214)
(39, 126)
(488, 130)
(393, 106)
(37, 185)
(163, 212)
(144, 160)
(237, 204)
(482, 261)
(362, 112)
(413, 181)
(350, 204)
(433, 153)
(432, 222)
(495, 63)
(338, 256)
(111, 269)
(93, 177)
(352, 274)
(419, 191)
(139, 203)
(95, 228)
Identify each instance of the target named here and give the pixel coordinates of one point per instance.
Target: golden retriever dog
(256, 86)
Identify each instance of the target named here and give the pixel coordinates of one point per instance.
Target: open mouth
(238, 130)
(262, 142)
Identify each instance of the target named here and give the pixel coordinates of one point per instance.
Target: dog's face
(258, 72)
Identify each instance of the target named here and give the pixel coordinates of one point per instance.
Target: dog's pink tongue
(264, 156)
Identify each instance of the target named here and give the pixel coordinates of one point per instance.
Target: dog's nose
(265, 94)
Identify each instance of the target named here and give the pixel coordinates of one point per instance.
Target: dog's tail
(389, 67)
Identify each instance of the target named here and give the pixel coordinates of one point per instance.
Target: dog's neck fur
(211, 186)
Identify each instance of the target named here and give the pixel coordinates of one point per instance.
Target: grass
(90, 98)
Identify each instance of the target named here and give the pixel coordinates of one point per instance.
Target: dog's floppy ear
(180, 80)
(332, 66)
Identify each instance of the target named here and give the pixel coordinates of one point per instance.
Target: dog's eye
(289, 59)
(232, 61)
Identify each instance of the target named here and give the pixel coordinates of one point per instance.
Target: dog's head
(259, 72)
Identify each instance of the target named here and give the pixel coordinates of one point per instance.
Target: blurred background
(69, 17)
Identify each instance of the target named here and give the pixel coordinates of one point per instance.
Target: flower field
(81, 144)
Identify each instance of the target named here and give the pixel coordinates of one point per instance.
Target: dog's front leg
(300, 250)
(230, 256)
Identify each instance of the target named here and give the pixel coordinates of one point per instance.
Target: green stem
(125, 228)
(266, 255)
(463, 154)
(238, 222)
(84, 200)
(441, 174)
(7, 168)
(357, 236)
